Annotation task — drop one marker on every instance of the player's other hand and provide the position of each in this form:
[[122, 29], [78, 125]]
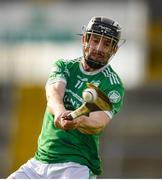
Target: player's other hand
[[66, 124], [57, 120]]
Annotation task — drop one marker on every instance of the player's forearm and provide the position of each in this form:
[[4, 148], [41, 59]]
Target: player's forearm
[[55, 104], [93, 124], [88, 130], [55, 94]]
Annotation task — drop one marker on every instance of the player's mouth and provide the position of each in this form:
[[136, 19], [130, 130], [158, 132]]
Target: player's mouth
[[97, 56]]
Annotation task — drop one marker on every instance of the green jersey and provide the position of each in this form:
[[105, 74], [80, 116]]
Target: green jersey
[[59, 146]]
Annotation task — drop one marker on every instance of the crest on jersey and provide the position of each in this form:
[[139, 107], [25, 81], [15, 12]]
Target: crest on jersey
[[114, 96]]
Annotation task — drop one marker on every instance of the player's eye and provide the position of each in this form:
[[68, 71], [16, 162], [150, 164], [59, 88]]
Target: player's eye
[[107, 44]]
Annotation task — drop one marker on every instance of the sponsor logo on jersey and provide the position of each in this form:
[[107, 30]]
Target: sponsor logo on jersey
[[114, 96], [82, 79]]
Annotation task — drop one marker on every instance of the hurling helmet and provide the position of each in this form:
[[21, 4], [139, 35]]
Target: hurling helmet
[[103, 27]]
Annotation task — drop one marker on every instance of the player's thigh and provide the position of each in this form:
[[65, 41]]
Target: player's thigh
[[18, 175], [69, 171], [21, 173], [26, 171], [81, 172]]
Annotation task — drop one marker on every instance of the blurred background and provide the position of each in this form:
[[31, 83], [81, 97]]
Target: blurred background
[[35, 32]]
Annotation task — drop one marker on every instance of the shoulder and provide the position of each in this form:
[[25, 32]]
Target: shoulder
[[58, 61], [110, 74], [112, 84]]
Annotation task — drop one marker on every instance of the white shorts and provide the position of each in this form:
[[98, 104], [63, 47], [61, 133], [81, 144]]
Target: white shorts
[[35, 169]]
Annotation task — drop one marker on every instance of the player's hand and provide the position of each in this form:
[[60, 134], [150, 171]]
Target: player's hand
[[57, 120], [66, 124]]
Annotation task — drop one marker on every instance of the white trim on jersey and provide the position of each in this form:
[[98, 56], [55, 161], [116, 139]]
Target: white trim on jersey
[[109, 113]]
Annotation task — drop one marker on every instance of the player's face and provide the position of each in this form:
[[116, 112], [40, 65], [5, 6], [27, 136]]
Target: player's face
[[98, 47]]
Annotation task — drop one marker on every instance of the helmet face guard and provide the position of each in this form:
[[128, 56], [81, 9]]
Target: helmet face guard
[[98, 49], [101, 39]]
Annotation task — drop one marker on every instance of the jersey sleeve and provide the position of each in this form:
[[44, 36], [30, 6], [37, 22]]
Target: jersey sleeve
[[116, 96], [58, 72]]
